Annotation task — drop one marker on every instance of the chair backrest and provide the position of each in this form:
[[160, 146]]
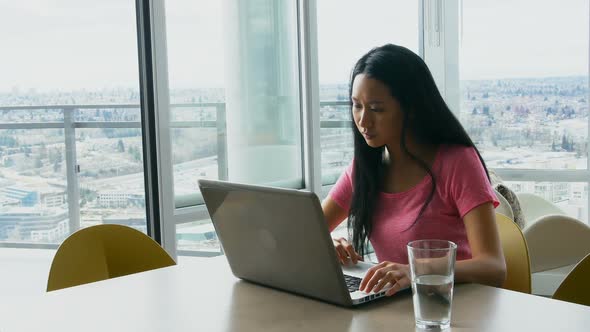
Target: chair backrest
[[504, 207], [555, 241], [534, 206], [576, 286], [102, 252], [518, 270]]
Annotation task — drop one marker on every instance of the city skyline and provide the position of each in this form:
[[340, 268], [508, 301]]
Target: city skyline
[[538, 123]]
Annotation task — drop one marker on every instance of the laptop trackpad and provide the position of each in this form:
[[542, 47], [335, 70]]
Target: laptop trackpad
[[356, 270]]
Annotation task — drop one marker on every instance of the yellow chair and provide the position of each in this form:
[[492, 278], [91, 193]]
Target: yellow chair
[[104, 251], [576, 286], [516, 254]]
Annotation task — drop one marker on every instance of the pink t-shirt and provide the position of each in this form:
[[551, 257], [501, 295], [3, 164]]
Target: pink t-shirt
[[461, 185]]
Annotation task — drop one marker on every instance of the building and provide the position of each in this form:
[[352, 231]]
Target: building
[[18, 224], [27, 197], [47, 196], [136, 221], [116, 199], [6, 201]]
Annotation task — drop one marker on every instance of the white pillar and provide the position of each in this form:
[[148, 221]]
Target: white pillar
[[262, 91]]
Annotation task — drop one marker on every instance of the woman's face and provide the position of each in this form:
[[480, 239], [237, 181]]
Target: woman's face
[[377, 115]]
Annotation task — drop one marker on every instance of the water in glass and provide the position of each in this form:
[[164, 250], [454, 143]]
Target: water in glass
[[432, 300]]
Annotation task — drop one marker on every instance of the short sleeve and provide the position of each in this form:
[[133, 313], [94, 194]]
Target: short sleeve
[[341, 192], [469, 183]]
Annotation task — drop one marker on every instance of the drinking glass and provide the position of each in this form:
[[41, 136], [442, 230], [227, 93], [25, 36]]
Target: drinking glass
[[432, 266]]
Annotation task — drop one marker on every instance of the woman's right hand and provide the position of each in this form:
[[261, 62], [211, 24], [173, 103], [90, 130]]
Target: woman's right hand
[[345, 251]]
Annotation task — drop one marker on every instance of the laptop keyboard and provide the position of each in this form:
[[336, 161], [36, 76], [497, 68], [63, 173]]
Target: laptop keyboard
[[352, 283]]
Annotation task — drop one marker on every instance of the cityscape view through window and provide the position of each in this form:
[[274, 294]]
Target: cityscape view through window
[[545, 127], [70, 134], [524, 91]]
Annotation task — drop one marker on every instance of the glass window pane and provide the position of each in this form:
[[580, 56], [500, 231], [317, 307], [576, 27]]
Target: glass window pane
[[571, 197], [198, 236], [346, 31], [111, 189], [524, 82], [70, 134], [32, 187], [234, 94]]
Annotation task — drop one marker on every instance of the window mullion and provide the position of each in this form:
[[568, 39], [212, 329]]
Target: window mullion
[[156, 62], [440, 21], [309, 93]]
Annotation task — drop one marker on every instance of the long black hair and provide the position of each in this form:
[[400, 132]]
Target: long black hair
[[425, 115]]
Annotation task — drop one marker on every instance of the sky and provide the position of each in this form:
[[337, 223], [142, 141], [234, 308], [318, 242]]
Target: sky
[[75, 44], [65, 44], [524, 38]]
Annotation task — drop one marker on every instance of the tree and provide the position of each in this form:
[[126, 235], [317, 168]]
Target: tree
[[120, 146], [567, 144], [38, 163], [59, 156], [43, 151], [495, 137], [8, 141], [8, 162], [134, 152]]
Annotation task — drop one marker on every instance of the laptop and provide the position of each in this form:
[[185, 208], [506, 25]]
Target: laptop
[[279, 238]]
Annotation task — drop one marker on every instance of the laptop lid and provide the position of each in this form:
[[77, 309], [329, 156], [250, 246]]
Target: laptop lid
[[276, 237]]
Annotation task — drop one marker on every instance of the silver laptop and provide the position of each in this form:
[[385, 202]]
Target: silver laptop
[[279, 238]]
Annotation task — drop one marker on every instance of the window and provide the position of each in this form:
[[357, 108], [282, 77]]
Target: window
[[571, 197], [70, 134], [524, 89], [346, 31], [234, 101], [70, 130]]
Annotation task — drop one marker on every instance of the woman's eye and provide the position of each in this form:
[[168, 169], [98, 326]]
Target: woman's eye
[[357, 106]]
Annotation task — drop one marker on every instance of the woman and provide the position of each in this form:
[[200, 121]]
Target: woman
[[416, 174]]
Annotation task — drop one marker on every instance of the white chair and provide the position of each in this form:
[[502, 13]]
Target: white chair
[[534, 206], [556, 242], [504, 207]]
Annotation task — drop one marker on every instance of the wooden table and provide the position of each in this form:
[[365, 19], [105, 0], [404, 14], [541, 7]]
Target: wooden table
[[203, 295]]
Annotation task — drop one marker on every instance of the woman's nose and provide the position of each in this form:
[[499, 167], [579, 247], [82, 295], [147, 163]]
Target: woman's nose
[[364, 120]]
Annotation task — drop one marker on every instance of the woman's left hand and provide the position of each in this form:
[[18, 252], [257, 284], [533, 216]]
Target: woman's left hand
[[386, 273]]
